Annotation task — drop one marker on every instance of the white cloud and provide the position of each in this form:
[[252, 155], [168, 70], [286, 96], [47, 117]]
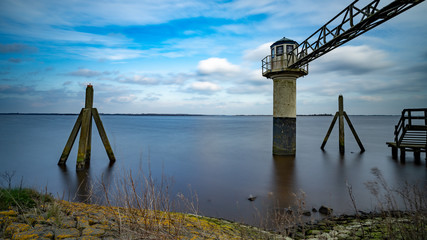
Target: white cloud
[[371, 98], [217, 66], [84, 72], [355, 60], [96, 13], [205, 87], [122, 99], [139, 79], [113, 54], [258, 53]]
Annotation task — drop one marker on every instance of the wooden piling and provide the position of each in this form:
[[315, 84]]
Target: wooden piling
[[84, 139], [71, 140], [394, 152], [89, 96], [417, 156], [103, 135], [84, 124], [341, 114], [341, 123], [329, 131], [362, 149], [402, 155], [89, 105]]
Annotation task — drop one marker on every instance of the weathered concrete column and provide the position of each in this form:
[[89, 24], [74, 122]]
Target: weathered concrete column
[[284, 113]]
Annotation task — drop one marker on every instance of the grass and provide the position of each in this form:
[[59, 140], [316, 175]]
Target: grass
[[148, 210], [22, 198]]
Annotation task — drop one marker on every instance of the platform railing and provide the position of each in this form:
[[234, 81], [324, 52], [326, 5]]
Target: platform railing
[[408, 121]]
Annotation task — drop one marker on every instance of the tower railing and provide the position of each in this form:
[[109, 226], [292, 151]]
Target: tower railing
[[277, 64]]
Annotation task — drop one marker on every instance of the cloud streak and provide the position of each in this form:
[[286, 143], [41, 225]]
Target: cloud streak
[[198, 56]]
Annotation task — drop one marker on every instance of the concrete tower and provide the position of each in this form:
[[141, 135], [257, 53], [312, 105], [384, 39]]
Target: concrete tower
[[276, 67]]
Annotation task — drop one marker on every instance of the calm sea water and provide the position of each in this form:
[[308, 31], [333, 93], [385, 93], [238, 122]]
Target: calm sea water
[[223, 159]]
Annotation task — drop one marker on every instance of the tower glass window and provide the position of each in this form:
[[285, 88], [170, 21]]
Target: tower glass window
[[289, 48], [279, 50]]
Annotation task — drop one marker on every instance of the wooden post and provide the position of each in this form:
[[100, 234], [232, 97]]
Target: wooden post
[[417, 156], [103, 135], [425, 123], [402, 155], [394, 152], [89, 97], [89, 105], [341, 123], [340, 115], [84, 123], [329, 131], [82, 155], [362, 149], [71, 140]]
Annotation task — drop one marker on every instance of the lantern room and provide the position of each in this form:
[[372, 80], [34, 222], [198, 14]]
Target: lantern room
[[283, 53]]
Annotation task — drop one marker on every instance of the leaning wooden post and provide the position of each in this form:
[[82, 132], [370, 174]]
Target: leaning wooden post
[[329, 131], [84, 123], [341, 123], [103, 135], [362, 149], [71, 139]]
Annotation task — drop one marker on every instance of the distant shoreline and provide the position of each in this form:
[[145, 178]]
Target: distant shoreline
[[183, 114]]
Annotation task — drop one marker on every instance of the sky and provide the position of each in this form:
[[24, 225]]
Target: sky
[[199, 57]]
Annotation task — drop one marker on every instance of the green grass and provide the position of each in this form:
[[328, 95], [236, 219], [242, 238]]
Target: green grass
[[23, 198]]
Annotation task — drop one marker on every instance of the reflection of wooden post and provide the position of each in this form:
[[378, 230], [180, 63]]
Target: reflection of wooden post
[[341, 114], [84, 121]]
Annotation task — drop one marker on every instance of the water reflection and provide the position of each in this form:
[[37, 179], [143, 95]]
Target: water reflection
[[222, 158], [80, 185], [284, 179]]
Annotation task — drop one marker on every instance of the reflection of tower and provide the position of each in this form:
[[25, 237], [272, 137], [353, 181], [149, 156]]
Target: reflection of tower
[[284, 97], [284, 179]]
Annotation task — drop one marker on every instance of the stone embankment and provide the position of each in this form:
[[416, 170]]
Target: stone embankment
[[67, 220]]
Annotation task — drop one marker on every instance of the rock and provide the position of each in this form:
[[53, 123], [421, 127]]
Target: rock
[[251, 198], [10, 213], [35, 233], [306, 213], [314, 232], [90, 231], [16, 228], [67, 233], [92, 238], [68, 223], [82, 222], [314, 210], [325, 210]]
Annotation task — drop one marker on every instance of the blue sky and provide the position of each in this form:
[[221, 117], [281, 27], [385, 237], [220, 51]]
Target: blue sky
[[199, 57]]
